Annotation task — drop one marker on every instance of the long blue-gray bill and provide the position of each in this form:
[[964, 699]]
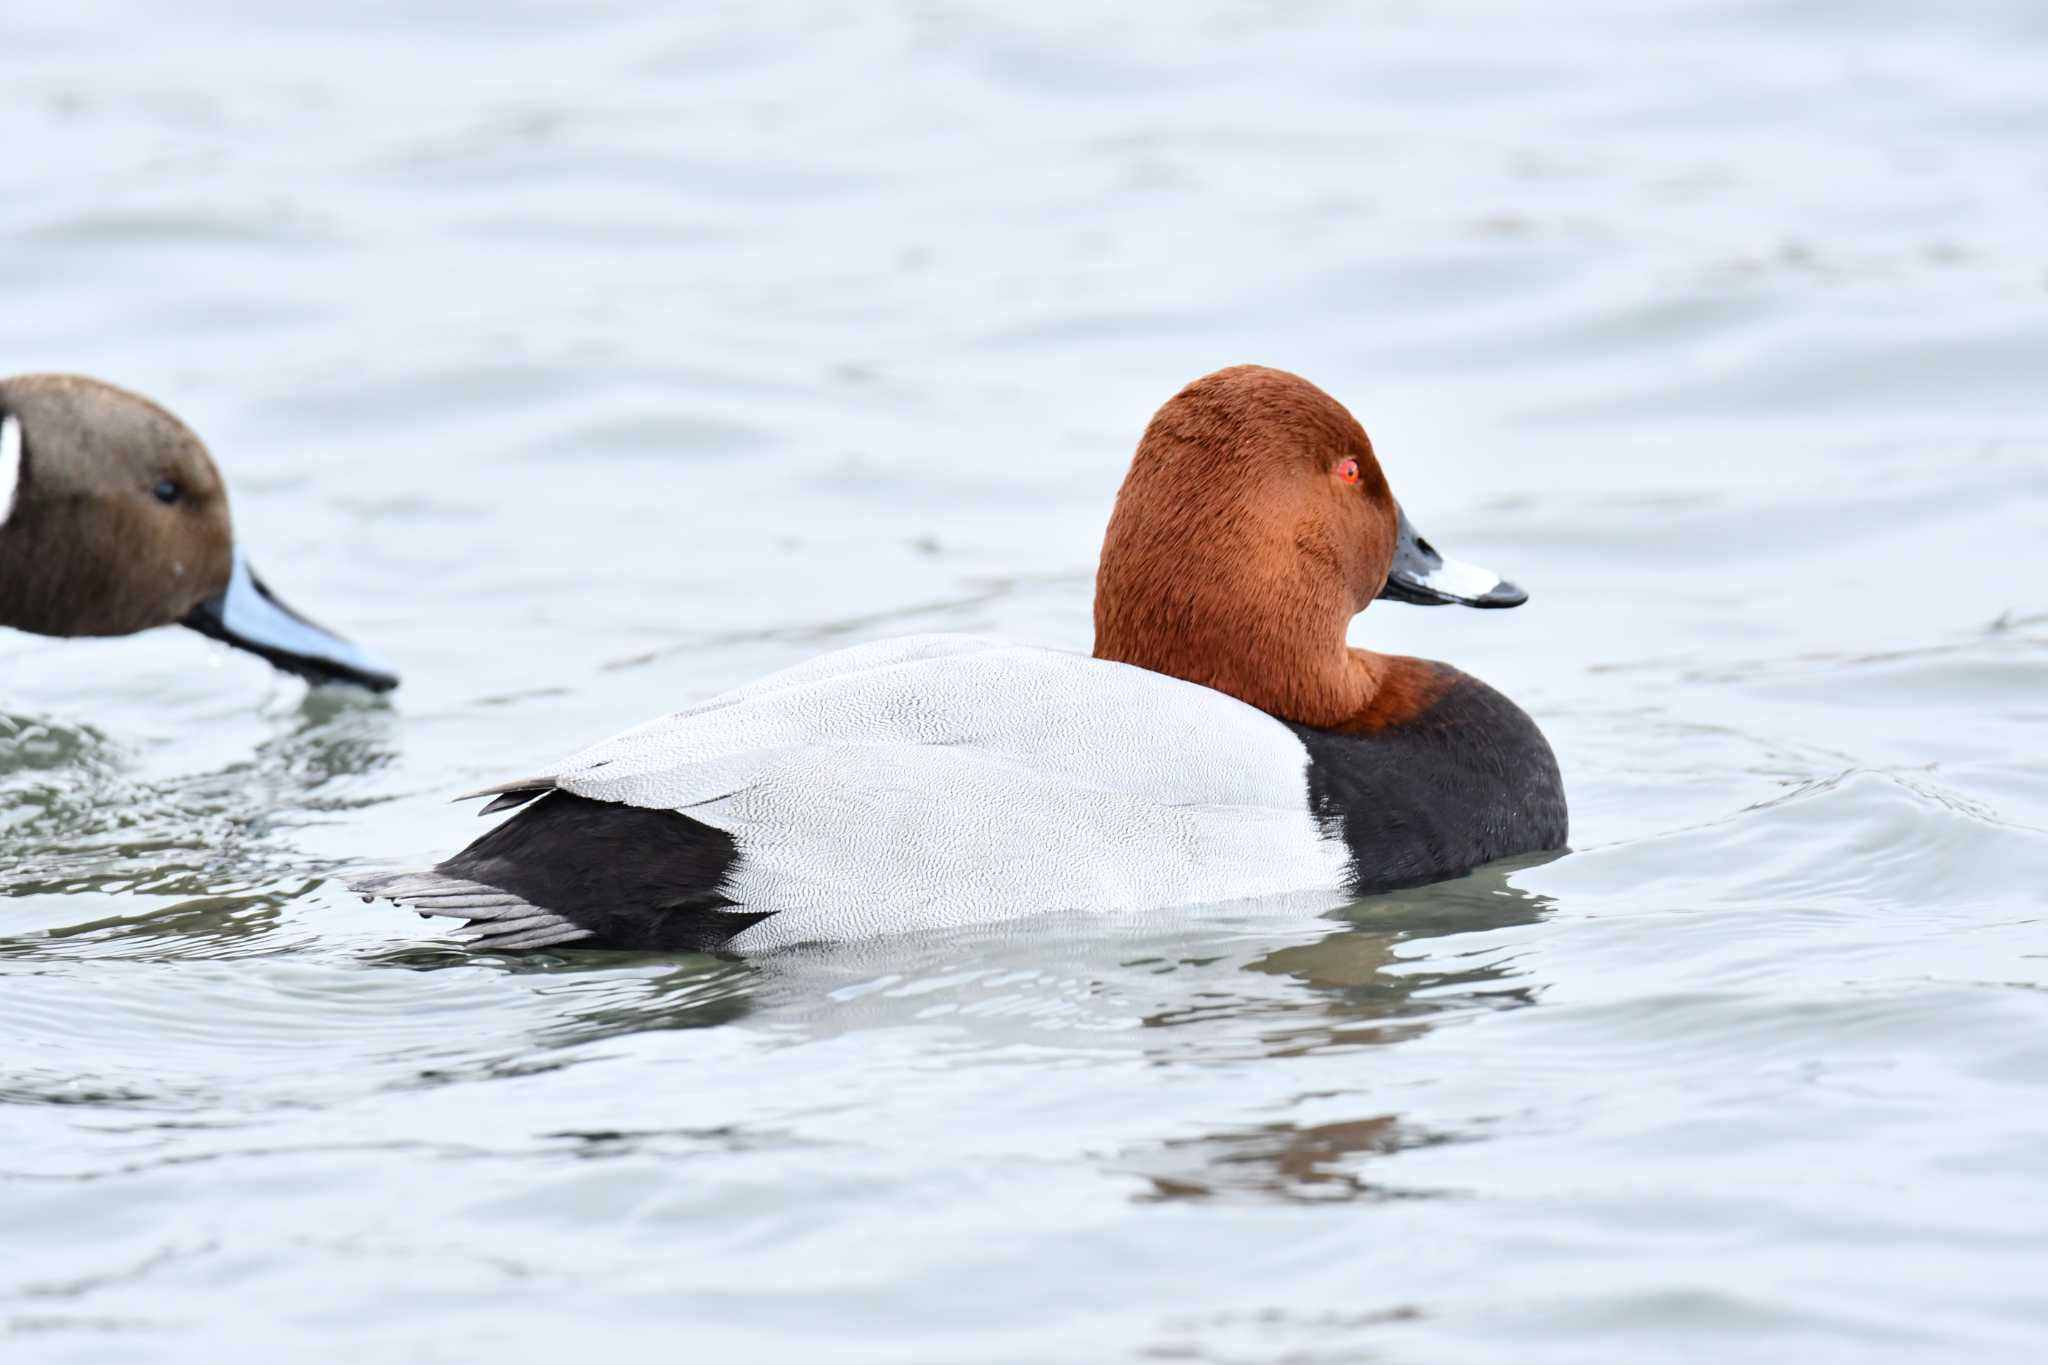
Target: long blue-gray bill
[[1425, 578], [249, 616]]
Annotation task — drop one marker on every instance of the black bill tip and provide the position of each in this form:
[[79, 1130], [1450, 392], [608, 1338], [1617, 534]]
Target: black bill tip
[[248, 616], [1424, 578]]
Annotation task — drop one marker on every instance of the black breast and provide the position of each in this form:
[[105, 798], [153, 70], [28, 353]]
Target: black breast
[[1468, 780]]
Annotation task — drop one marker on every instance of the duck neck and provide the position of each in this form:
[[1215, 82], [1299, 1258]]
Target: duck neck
[[26, 572], [1397, 691], [1348, 691], [66, 571], [1308, 677]]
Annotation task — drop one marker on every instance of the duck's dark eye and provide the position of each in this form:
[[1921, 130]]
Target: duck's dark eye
[[167, 491]]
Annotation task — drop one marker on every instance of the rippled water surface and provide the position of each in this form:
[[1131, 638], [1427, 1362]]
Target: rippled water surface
[[591, 358]]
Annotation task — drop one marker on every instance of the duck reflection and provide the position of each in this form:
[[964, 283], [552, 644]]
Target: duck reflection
[[204, 926], [79, 823], [1359, 986], [1363, 989], [602, 999], [1075, 981], [1285, 1162], [44, 744], [594, 996]]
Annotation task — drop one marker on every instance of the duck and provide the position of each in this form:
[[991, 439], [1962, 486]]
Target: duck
[[114, 519], [1223, 741]]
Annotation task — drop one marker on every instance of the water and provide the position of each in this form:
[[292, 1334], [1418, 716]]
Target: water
[[588, 359]]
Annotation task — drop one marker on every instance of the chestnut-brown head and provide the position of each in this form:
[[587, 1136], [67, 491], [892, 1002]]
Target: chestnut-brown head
[[1254, 524], [113, 519]]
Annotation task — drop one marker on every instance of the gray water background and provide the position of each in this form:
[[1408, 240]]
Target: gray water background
[[590, 358]]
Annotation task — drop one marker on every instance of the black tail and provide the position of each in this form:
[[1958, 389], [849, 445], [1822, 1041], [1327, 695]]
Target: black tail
[[603, 875]]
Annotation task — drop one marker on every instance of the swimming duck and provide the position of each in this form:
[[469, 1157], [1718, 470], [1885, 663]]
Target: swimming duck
[[113, 519], [1223, 742]]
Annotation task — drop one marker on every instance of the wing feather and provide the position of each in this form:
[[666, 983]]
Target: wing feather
[[1067, 716], [943, 780]]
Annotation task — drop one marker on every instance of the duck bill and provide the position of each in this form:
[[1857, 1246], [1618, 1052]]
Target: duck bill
[[1425, 578], [247, 615]]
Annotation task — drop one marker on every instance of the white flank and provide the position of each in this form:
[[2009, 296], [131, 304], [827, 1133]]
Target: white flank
[[945, 780]]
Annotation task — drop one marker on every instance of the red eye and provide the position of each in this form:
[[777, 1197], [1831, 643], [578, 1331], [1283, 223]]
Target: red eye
[[1347, 470]]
